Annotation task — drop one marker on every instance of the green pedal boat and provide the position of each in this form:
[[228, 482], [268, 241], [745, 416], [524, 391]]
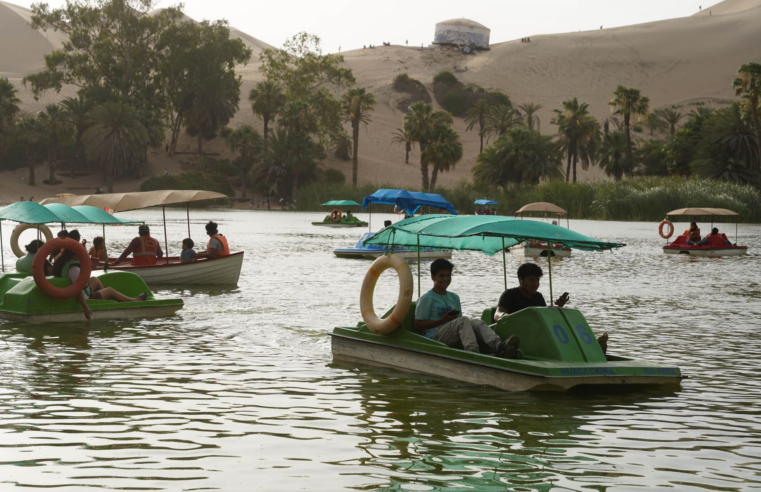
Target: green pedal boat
[[558, 349]]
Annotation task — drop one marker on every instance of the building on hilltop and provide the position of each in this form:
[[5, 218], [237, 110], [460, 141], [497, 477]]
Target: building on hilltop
[[462, 33]]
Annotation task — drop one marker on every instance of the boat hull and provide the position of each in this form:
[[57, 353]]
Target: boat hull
[[142, 312], [207, 271], [407, 255], [542, 252], [706, 252], [356, 351], [338, 224]]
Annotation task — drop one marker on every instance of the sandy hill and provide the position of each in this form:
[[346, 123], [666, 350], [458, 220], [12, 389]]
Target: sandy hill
[[22, 49], [679, 61]]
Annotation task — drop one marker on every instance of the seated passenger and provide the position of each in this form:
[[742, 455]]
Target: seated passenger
[[217, 245], [24, 264], [722, 238], [188, 253], [144, 249], [68, 267], [98, 250], [527, 295], [693, 234], [438, 316], [62, 234]]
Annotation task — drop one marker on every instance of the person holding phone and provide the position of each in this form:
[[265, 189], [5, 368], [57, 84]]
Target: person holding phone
[[438, 316]]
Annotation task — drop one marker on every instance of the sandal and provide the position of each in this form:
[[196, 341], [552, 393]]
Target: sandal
[[143, 296]]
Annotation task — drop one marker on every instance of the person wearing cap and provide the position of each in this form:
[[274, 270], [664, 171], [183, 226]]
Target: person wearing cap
[[24, 264], [217, 245], [144, 249]]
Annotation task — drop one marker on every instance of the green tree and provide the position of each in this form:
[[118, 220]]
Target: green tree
[[357, 104], [528, 111], [420, 123], [500, 119], [404, 137], [700, 111], [115, 139], [654, 123], [77, 110], [580, 133], [612, 158], [629, 103], [30, 132], [267, 100], [671, 118], [308, 76], [8, 108], [476, 115], [213, 106], [682, 148], [652, 158], [297, 116], [443, 152], [248, 144], [290, 161], [748, 84], [521, 155], [57, 129]]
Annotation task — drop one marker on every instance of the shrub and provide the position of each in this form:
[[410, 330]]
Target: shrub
[[402, 80], [637, 127], [445, 77], [334, 176], [415, 89], [343, 146], [501, 99], [454, 103]]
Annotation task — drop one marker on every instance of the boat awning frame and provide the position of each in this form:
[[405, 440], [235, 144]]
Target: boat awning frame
[[410, 201]]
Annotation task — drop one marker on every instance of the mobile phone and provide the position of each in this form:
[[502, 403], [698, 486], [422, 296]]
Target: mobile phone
[[453, 313], [565, 294]]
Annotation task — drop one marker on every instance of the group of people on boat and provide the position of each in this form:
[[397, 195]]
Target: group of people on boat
[[486, 211], [694, 239], [438, 313]]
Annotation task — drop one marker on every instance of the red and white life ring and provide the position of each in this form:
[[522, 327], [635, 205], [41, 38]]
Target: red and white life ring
[[38, 268], [670, 233], [335, 215]]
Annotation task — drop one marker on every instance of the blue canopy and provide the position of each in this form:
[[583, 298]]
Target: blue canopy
[[410, 201], [486, 202]]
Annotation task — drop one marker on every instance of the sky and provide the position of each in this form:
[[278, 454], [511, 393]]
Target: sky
[[350, 24]]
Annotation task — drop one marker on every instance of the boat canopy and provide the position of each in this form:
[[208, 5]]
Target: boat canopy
[[410, 201], [340, 203], [486, 233], [121, 202], [34, 213], [485, 202], [702, 211], [544, 207]]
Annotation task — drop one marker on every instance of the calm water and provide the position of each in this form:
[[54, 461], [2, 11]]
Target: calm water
[[239, 392]]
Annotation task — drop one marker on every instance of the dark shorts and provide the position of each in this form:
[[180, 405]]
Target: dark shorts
[[95, 295]]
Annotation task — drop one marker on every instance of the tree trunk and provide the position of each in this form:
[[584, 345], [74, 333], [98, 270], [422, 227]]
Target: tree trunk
[[200, 142], [423, 167], [30, 163], [51, 163], [434, 175], [243, 173], [355, 162], [408, 148], [481, 134], [629, 154], [754, 112], [575, 158], [568, 166], [176, 128], [110, 176], [266, 131]]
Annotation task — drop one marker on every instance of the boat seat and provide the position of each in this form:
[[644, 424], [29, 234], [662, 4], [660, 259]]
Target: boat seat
[[488, 315]]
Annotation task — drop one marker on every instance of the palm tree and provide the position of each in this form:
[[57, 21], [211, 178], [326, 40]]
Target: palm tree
[[654, 123], [290, 161], [248, 143], [402, 136], [8, 102], [420, 123], [612, 157], [77, 110], [297, 116], [115, 138], [629, 103], [529, 111], [213, 107], [520, 155], [579, 131], [748, 84], [500, 119], [266, 102], [476, 115], [670, 117], [57, 128], [30, 131], [699, 112], [444, 151], [356, 105], [729, 150]]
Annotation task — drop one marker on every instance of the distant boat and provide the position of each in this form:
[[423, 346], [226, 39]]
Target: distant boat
[[717, 245], [538, 248]]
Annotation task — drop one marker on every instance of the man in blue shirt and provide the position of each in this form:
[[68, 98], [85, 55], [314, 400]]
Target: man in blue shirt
[[438, 316]]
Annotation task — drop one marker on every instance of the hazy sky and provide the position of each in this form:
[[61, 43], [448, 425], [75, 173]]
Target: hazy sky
[[352, 23]]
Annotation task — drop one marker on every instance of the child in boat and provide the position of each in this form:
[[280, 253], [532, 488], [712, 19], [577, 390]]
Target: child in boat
[[98, 249], [526, 295], [438, 316], [188, 253]]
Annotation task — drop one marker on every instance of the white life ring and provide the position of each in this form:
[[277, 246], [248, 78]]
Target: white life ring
[[21, 228], [403, 302]]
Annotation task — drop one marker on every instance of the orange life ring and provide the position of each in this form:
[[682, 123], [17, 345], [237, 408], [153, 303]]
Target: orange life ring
[[671, 229], [399, 212], [38, 268], [335, 215]]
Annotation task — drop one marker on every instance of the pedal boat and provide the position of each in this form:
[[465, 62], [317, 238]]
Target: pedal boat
[[336, 219], [558, 349], [537, 249], [717, 245], [364, 251]]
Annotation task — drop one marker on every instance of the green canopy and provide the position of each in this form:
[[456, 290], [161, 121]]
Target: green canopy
[[340, 203], [487, 233], [34, 213], [98, 216]]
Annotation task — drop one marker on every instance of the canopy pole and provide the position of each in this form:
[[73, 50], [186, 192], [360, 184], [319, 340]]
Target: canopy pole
[[105, 250], [549, 265], [370, 221], [2, 256], [187, 209], [418, 266], [736, 221], [504, 263], [166, 244]]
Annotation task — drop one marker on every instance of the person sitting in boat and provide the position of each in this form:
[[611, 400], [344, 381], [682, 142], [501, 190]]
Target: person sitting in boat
[[98, 250], [68, 267], [438, 316], [188, 253], [527, 295], [144, 249], [693, 234], [217, 246], [722, 238], [62, 234], [24, 264]]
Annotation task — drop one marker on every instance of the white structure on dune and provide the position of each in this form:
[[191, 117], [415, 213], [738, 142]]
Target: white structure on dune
[[462, 32]]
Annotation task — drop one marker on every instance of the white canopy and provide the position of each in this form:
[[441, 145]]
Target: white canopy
[[121, 202], [702, 211], [542, 207]]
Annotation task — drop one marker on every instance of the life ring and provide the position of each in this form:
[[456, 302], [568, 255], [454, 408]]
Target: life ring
[[671, 229], [335, 215], [38, 268], [403, 302], [399, 212], [23, 227]]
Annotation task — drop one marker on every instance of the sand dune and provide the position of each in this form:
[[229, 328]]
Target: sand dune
[[22, 49], [679, 61]]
